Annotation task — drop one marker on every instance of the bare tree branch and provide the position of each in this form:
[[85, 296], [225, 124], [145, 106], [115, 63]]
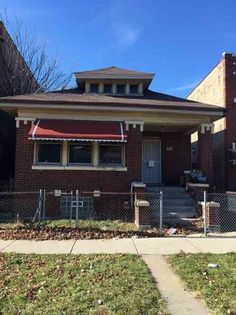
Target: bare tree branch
[[25, 65]]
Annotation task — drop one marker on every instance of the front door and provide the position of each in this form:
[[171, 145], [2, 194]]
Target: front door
[[151, 171]]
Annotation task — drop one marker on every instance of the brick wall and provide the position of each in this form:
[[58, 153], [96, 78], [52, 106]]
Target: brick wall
[[174, 162], [28, 179], [230, 94], [219, 88]]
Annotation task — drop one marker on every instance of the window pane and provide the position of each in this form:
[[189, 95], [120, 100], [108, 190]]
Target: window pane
[[111, 154], [80, 153], [94, 88], [49, 153], [107, 88], [120, 89], [133, 89]]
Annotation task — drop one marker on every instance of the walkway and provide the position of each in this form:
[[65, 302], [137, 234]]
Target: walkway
[[148, 246], [179, 301]]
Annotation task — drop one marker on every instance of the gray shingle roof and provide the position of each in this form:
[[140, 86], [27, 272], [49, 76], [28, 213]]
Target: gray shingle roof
[[114, 70], [150, 99]]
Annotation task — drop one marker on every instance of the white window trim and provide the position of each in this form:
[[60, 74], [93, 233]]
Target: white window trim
[[80, 168], [65, 165]]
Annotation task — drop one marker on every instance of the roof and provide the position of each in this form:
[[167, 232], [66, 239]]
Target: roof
[[114, 70], [114, 73], [150, 99]]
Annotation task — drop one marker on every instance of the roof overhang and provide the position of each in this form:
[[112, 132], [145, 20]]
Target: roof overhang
[[213, 112], [146, 78]]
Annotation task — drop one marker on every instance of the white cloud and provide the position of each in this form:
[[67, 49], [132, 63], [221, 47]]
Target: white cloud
[[186, 86], [126, 33]]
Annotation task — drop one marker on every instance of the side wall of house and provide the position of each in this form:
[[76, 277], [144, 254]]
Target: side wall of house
[[27, 179], [211, 90], [230, 72]]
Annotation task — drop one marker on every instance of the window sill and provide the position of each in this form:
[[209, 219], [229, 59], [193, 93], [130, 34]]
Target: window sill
[[80, 168]]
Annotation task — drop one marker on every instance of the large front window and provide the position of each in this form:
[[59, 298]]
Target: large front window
[[111, 154], [48, 153], [80, 153]]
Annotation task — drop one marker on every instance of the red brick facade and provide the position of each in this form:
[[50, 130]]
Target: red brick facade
[[28, 179], [175, 159]]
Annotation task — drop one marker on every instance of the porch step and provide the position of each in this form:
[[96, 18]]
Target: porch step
[[166, 189], [179, 211], [177, 201]]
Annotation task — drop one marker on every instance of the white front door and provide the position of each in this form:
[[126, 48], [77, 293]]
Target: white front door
[[151, 169]]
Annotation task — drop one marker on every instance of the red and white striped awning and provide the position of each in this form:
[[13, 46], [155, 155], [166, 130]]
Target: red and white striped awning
[[74, 130]]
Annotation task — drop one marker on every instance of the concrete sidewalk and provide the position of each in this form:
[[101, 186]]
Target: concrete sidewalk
[[147, 246], [179, 300]]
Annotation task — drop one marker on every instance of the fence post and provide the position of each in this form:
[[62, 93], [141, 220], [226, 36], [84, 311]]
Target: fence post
[[71, 207], [77, 209], [204, 212], [44, 205], [40, 205], [161, 212]]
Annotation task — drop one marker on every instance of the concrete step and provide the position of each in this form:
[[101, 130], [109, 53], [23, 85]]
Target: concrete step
[[177, 202], [166, 189], [176, 195], [179, 211]]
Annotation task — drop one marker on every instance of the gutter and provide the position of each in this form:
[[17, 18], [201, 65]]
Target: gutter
[[114, 107]]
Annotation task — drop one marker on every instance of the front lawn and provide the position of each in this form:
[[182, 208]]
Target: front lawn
[[85, 284], [216, 286], [66, 229], [107, 225]]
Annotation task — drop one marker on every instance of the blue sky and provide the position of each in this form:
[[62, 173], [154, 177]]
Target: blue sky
[[179, 41]]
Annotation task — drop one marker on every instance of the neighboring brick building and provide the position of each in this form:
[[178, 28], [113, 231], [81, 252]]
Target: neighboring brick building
[[219, 88], [14, 79], [105, 134]]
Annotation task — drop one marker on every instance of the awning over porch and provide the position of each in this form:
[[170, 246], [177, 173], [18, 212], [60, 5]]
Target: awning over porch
[[74, 130]]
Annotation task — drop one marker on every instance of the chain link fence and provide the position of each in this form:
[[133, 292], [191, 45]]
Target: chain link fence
[[220, 212], [143, 210], [103, 206], [20, 206]]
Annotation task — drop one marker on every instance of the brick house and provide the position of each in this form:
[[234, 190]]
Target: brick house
[[219, 88], [109, 131]]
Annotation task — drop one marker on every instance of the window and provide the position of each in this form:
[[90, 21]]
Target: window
[[111, 154], [120, 88], [108, 88], [80, 153], [133, 89], [94, 88], [48, 153]]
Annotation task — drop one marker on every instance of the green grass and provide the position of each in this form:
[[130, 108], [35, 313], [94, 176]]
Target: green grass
[[85, 284], [216, 286], [107, 225]]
